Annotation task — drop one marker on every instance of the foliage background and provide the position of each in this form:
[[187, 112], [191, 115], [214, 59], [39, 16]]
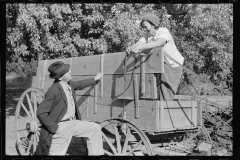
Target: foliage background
[[203, 34]]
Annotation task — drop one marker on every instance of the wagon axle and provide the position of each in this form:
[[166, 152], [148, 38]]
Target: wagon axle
[[32, 127]]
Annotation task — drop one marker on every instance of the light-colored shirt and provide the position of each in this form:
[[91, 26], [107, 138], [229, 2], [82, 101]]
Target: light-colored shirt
[[70, 101], [169, 48]]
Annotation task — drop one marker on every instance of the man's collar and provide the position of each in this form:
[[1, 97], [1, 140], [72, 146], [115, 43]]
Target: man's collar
[[64, 82]]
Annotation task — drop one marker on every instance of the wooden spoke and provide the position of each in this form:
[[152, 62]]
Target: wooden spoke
[[117, 139], [126, 141], [34, 142], [30, 143], [37, 137], [23, 119], [26, 111], [30, 106], [109, 143], [21, 129], [135, 147], [107, 133], [24, 143], [108, 153]]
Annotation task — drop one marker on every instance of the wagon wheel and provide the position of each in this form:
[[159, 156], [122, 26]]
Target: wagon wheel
[[26, 122], [121, 137], [195, 137]]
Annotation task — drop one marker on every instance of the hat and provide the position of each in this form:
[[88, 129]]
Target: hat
[[57, 69], [151, 18]]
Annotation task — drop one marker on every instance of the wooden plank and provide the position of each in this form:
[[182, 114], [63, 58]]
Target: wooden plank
[[95, 99], [177, 114], [35, 81], [43, 75], [154, 80], [182, 97], [114, 86], [193, 111], [102, 70], [161, 115], [157, 103], [157, 116], [199, 113], [114, 63], [111, 108], [178, 104], [143, 58], [136, 96]]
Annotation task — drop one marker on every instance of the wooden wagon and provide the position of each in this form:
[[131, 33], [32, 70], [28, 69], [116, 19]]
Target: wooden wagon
[[124, 103]]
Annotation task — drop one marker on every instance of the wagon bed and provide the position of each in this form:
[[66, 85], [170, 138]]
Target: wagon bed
[[127, 129]]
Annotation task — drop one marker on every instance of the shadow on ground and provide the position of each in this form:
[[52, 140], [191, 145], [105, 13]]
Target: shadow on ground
[[14, 90]]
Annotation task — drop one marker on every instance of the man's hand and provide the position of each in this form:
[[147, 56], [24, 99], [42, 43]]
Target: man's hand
[[128, 50], [135, 50], [98, 76]]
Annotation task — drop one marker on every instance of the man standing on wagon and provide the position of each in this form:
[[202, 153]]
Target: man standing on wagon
[[157, 36], [58, 115]]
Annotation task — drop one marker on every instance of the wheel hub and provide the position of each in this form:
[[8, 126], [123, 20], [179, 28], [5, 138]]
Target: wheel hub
[[31, 127]]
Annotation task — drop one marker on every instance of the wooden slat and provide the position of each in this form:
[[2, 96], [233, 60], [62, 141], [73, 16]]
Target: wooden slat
[[161, 114], [157, 102], [36, 81], [44, 73], [199, 113], [113, 63], [114, 86], [157, 116], [136, 97], [102, 70], [193, 111], [143, 74], [154, 80], [95, 99]]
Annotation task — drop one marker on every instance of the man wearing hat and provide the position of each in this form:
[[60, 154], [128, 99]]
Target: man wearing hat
[[58, 115], [160, 37]]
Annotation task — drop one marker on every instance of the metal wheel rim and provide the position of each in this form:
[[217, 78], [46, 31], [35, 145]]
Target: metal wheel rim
[[120, 148], [28, 134]]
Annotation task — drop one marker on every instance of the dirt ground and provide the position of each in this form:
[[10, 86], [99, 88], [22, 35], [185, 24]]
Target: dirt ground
[[10, 136]]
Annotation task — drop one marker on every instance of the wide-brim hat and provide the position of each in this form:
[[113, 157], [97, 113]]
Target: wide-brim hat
[[58, 69], [151, 18]]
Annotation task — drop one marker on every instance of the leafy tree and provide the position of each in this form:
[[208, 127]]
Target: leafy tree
[[202, 33]]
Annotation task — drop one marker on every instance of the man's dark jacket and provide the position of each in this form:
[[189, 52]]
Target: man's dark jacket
[[53, 108]]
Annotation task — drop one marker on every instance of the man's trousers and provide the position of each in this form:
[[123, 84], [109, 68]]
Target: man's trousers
[[77, 128]]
